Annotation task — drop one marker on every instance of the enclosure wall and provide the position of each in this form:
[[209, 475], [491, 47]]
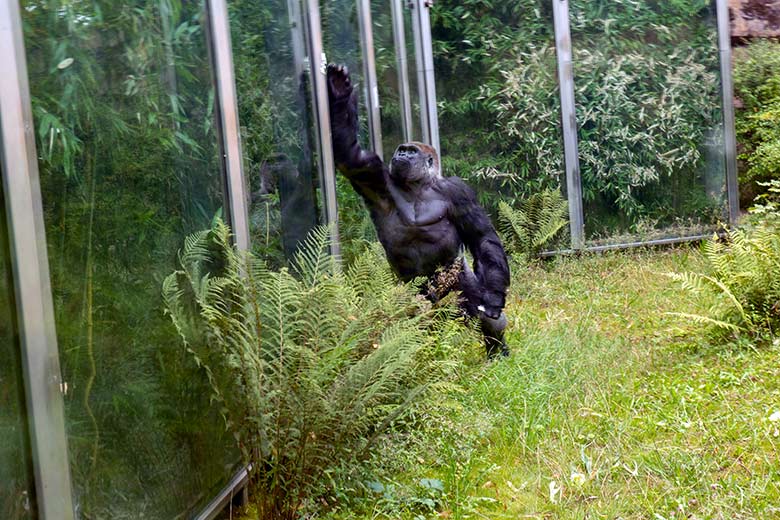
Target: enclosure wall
[[649, 85], [129, 151], [649, 117], [17, 497]]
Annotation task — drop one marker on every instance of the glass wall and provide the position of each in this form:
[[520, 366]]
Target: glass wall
[[649, 118], [130, 163], [274, 100], [341, 44], [499, 104], [389, 74], [16, 484], [123, 107]]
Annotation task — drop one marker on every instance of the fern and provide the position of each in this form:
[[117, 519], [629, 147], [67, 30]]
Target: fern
[[743, 287], [307, 366], [527, 229]]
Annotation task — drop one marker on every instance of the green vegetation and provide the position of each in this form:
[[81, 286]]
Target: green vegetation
[[533, 225], [648, 106], [308, 370], [606, 409], [757, 86], [745, 278], [610, 406]]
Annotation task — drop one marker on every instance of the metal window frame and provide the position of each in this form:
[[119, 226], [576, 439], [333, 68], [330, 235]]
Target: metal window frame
[[563, 48], [297, 37], [234, 182], [34, 307], [729, 125], [326, 163], [236, 488], [660, 242], [229, 130], [404, 92], [366, 28], [423, 46]]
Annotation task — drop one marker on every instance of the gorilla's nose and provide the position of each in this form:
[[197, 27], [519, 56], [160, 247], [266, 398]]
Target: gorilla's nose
[[399, 165]]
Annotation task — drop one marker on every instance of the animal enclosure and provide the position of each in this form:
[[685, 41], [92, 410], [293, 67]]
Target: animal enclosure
[[127, 126]]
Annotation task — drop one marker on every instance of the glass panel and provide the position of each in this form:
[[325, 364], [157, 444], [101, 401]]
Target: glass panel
[[341, 43], [649, 116], [499, 107], [124, 115], [388, 74], [411, 65], [275, 114], [16, 482]]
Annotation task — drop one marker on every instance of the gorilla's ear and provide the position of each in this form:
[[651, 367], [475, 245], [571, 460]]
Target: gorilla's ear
[[433, 164]]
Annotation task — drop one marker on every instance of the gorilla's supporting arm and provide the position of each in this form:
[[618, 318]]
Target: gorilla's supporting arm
[[477, 232], [364, 169]]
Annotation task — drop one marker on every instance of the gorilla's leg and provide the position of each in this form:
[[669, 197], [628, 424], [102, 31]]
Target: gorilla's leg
[[492, 329]]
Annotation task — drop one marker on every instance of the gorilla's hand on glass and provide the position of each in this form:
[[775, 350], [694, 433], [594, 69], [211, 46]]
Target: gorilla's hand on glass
[[339, 83]]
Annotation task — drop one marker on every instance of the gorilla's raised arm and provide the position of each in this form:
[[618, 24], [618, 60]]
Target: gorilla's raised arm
[[477, 232], [364, 169]]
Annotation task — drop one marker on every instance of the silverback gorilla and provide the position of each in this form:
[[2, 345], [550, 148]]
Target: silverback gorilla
[[423, 220]]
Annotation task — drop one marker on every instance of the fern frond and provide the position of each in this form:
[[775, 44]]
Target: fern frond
[[706, 320], [304, 365], [312, 260], [537, 221]]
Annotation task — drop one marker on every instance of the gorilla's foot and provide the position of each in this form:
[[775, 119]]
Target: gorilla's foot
[[496, 350]]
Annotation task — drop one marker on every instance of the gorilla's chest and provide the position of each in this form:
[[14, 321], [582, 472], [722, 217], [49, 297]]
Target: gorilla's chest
[[418, 236]]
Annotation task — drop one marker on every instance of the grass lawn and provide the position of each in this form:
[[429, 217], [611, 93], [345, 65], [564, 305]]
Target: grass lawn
[[607, 408]]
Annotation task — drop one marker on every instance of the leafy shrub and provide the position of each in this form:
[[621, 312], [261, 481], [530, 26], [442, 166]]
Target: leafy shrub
[[307, 367], [757, 85], [648, 104], [744, 285], [534, 224]]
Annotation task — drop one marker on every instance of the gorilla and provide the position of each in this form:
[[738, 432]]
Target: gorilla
[[423, 219]]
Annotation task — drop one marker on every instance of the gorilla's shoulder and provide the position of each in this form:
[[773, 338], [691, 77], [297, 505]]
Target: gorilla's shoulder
[[457, 189]]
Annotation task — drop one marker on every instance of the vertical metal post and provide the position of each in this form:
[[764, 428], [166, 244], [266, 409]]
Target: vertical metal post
[[369, 70], [34, 306], [399, 39], [297, 37], [729, 131], [321, 112], [423, 46], [563, 48], [227, 104]]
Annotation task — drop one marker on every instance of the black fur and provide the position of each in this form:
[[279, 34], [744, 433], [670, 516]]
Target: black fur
[[423, 220]]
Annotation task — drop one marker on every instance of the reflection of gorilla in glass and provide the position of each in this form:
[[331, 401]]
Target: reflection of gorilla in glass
[[423, 220]]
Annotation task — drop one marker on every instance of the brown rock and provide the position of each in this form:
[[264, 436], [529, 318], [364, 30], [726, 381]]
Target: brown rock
[[755, 18]]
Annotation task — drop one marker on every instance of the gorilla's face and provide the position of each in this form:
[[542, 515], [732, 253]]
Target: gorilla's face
[[414, 162]]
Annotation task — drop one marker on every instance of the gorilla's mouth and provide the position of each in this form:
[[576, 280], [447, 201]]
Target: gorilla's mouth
[[399, 166]]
